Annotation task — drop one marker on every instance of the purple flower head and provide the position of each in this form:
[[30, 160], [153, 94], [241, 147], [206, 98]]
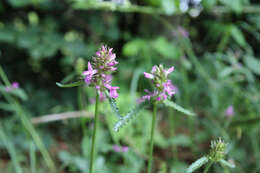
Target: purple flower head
[[118, 149], [89, 74], [230, 111], [99, 71], [163, 87], [183, 32], [125, 149], [13, 86]]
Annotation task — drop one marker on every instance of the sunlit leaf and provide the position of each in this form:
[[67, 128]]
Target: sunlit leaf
[[197, 164], [178, 108]]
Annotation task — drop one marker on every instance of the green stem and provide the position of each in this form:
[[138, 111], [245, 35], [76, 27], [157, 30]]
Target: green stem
[[207, 167], [152, 139], [94, 135]]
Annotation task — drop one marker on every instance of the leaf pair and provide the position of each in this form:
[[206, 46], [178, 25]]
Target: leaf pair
[[202, 161]]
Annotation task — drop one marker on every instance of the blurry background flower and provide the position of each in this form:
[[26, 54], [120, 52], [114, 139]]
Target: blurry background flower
[[229, 112]]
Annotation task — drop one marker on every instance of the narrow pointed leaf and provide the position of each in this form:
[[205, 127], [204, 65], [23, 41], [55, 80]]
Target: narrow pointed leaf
[[178, 108], [113, 105], [130, 115], [226, 163], [74, 84], [197, 164]]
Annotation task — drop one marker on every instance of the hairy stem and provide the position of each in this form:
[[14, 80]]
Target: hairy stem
[[94, 135], [152, 139], [207, 167]]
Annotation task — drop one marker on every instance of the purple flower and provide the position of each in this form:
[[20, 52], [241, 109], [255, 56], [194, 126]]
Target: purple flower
[[163, 87], [169, 88], [118, 149], [113, 91], [183, 32], [148, 75], [13, 86], [125, 149], [230, 111], [89, 74], [99, 76]]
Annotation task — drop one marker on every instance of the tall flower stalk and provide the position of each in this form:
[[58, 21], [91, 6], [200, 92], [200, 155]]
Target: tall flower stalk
[[99, 76], [163, 88]]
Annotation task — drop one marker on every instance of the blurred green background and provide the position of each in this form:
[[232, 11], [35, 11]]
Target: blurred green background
[[213, 45]]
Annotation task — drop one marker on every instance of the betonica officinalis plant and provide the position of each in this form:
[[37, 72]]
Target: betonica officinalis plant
[[216, 155], [98, 75]]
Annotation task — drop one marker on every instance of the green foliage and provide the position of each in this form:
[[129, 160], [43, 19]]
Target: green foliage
[[197, 164], [217, 65]]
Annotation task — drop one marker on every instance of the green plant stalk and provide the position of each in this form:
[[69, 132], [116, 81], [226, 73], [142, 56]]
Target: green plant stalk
[[207, 167], [91, 167], [28, 125], [152, 139], [11, 149], [32, 157]]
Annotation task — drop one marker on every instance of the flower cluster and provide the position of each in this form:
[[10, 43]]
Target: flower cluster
[[163, 86], [218, 150], [14, 85], [99, 72], [120, 149]]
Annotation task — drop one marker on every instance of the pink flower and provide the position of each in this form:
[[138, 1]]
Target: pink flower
[[169, 71], [183, 32], [230, 111], [169, 88], [13, 86], [117, 148], [148, 75], [125, 149], [99, 76], [163, 87], [113, 91], [89, 74]]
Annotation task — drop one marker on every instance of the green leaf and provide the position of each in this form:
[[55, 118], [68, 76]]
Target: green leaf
[[253, 64], [6, 107], [197, 164], [226, 163], [113, 105], [74, 84], [178, 108], [238, 36], [130, 115]]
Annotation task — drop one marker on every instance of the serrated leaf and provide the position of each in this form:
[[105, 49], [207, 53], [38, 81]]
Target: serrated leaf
[[178, 108], [74, 84], [130, 115], [226, 163], [113, 105], [197, 164]]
